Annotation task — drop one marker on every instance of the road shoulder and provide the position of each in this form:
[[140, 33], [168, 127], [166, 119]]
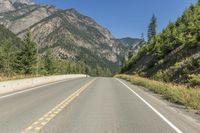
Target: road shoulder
[[183, 118]]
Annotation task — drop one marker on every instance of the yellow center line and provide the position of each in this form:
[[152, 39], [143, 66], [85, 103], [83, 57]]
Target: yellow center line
[[37, 126]]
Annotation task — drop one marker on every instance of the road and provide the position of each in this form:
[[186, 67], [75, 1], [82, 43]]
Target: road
[[90, 105]]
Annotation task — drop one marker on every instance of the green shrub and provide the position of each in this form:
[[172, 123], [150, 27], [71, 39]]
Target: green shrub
[[194, 80]]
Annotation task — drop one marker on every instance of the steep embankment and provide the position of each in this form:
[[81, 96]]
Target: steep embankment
[[174, 54]]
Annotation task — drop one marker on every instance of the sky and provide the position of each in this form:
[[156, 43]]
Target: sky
[[126, 18]]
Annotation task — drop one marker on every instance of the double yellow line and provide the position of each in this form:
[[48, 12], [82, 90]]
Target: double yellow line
[[45, 119]]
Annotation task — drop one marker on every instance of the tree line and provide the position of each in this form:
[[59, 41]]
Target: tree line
[[21, 57]]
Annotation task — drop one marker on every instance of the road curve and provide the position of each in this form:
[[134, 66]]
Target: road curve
[[91, 105]]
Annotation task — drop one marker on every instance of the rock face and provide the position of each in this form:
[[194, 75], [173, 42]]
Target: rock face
[[70, 34], [6, 5], [133, 44], [9, 5]]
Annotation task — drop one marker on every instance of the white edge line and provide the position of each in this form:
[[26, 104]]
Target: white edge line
[[34, 88], [152, 108]]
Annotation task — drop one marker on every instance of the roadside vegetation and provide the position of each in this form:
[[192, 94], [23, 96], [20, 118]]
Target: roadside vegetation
[[189, 97], [172, 55]]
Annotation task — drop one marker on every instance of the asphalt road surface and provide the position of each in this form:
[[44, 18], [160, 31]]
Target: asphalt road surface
[[90, 105]]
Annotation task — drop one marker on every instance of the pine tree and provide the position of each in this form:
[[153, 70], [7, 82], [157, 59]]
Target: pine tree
[[49, 62], [7, 58], [27, 57], [152, 28], [142, 37]]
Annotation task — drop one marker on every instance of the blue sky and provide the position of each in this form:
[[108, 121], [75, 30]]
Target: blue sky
[[126, 18]]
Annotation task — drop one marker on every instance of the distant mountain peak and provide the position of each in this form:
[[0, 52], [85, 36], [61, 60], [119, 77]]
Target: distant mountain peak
[[72, 10], [129, 41]]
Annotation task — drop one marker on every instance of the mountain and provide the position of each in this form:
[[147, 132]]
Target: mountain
[[68, 33], [174, 54], [134, 44], [128, 41]]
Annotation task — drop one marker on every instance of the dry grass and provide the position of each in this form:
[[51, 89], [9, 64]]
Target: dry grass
[[189, 97]]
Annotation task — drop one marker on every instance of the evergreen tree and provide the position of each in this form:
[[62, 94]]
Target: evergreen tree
[[7, 58], [142, 37], [49, 62], [27, 57], [152, 28]]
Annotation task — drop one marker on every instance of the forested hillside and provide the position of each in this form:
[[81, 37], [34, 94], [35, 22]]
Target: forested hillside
[[19, 57], [174, 54]]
